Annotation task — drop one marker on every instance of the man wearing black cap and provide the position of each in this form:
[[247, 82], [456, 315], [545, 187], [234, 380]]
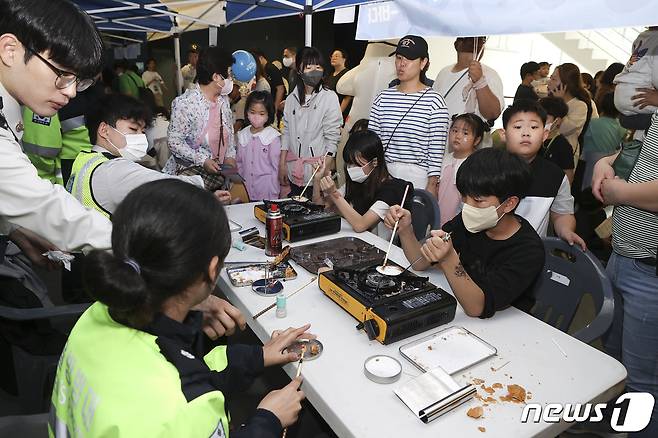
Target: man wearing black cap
[[412, 119], [529, 73]]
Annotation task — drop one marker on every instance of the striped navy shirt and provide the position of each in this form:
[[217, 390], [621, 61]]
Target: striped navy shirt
[[635, 231], [421, 136]]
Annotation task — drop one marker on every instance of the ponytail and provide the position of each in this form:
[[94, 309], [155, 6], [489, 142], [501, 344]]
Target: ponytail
[[158, 251], [120, 287]]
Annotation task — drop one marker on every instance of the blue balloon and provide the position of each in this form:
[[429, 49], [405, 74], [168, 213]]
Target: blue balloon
[[244, 68]]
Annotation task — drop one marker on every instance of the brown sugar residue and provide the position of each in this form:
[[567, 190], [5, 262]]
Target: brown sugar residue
[[488, 389], [478, 381], [482, 429], [475, 412], [515, 394], [497, 386], [429, 347], [490, 400]]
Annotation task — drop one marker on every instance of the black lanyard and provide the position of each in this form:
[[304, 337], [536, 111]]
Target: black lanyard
[[3, 121]]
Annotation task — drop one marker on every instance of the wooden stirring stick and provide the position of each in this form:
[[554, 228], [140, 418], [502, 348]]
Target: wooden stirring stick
[[297, 374], [404, 197], [444, 238], [312, 176], [272, 306], [301, 359]]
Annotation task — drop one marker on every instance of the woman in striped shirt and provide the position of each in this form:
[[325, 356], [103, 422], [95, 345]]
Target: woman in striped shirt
[[632, 267], [412, 119]]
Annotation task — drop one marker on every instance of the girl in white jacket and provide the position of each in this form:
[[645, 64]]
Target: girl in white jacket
[[312, 120]]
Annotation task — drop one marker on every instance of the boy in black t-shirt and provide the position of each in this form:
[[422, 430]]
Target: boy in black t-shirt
[[492, 256], [556, 147]]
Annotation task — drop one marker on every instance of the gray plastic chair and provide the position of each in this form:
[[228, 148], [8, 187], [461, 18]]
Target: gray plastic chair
[[568, 275], [35, 373], [425, 214], [24, 426]]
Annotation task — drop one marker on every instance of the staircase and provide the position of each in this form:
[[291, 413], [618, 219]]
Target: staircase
[[596, 49]]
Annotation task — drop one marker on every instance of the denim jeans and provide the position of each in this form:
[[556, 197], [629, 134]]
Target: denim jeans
[[633, 337]]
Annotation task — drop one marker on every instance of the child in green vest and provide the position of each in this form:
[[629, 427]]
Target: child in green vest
[[134, 364]]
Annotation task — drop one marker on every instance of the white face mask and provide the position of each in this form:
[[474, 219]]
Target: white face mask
[[227, 88], [136, 146], [357, 174], [479, 219], [287, 62]]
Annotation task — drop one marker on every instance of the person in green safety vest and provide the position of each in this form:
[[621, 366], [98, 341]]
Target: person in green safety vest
[[42, 143], [134, 364], [75, 137], [52, 143]]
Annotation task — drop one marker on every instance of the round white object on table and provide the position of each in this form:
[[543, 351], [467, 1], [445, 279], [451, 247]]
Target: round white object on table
[[382, 369]]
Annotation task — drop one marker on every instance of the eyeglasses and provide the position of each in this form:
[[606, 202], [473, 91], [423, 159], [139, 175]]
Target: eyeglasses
[[64, 78]]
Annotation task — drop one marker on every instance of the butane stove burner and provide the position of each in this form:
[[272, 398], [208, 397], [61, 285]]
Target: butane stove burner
[[389, 308], [377, 280], [295, 209], [378, 288], [301, 220]]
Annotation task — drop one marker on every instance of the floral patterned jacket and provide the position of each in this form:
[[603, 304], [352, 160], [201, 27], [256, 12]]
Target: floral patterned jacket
[[189, 118]]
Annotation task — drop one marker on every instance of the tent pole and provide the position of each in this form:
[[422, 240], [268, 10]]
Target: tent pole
[[308, 27], [177, 79]]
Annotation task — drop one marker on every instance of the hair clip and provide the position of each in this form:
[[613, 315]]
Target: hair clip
[[133, 264]]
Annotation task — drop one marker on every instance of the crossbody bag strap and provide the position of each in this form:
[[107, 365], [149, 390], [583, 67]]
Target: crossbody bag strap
[[455, 84], [403, 116]]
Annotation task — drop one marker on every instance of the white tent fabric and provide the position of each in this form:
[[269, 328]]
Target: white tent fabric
[[205, 12], [394, 19]]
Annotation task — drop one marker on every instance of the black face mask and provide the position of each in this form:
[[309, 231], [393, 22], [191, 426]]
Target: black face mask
[[312, 78]]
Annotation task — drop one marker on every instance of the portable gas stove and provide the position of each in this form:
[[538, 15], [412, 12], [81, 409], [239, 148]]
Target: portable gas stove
[[301, 220], [389, 308]]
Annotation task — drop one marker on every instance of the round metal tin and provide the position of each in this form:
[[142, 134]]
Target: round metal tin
[[312, 351], [382, 369], [273, 287]]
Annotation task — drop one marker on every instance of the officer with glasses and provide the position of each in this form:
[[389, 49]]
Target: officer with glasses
[[49, 51], [64, 78]]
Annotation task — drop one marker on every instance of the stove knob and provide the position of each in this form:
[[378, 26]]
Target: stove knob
[[372, 329]]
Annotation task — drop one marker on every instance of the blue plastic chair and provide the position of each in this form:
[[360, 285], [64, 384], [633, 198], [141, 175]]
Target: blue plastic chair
[[425, 214], [568, 275]]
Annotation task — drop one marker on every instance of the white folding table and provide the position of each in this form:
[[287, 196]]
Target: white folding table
[[356, 407]]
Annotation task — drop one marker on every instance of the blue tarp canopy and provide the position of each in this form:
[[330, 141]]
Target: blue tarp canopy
[[160, 17], [167, 17], [247, 10], [129, 16]]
